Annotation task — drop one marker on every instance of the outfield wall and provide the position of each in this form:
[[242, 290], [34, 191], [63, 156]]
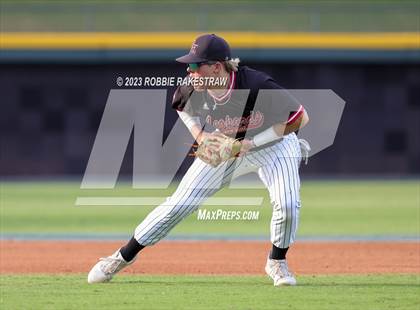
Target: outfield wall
[[54, 88], [51, 112]]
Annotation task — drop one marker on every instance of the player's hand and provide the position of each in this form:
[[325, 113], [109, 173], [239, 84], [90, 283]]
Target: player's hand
[[203, 136], [247, 145]]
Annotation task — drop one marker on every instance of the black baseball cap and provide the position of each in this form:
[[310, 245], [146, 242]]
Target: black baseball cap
[[207, 47]]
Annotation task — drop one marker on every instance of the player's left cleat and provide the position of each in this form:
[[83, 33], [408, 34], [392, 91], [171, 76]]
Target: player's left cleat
[[279, 272], [107, 267]]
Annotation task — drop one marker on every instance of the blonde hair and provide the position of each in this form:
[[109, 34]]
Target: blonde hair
[[232, 64]]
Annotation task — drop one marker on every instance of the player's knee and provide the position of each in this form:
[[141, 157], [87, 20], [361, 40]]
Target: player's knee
[[179, 209], [284, 212]]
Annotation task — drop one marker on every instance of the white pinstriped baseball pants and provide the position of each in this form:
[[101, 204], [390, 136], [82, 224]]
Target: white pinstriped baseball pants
[[277, 167]]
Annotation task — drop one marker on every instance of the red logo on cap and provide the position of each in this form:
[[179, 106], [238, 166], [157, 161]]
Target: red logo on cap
[[193, 48]]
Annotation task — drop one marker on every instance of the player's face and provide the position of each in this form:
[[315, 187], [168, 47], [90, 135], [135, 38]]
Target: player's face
[[211, 69]]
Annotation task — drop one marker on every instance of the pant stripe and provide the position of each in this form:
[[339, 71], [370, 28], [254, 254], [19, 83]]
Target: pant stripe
[[209, 180], [164, 208], [287, 195], [280, 182], [294, 162], [293, 185], [272, 170], [150, 220], [189, 208]]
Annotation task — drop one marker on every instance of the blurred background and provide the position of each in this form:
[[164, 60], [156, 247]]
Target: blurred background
[[60, 59]]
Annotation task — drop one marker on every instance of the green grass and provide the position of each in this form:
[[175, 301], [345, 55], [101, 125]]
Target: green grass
[[349, 208], [210, 292]]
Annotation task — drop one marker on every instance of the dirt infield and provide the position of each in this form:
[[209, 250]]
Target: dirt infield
[[213, 257]]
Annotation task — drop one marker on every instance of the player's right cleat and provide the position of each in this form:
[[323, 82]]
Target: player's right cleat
[[107, 267], [279, 272]]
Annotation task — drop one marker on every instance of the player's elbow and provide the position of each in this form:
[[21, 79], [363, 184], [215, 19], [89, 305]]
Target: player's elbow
[[300, 122], [296, 123]]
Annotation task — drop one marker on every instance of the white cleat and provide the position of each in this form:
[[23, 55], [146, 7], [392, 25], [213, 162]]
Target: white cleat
[[279, 272], [107, 267]]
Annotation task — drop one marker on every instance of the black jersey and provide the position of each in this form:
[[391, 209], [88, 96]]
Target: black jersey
[[244, 109]]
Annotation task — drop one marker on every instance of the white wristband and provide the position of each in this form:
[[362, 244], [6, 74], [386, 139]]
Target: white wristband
[[189, 120], [267, 136]]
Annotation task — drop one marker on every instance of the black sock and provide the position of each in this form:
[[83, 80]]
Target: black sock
[[131, 249], [278, 253]]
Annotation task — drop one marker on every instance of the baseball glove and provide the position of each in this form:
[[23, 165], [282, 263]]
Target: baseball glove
[[217, 148]]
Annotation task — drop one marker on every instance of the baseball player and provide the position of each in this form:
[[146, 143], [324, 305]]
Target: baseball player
[[255, 121]]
